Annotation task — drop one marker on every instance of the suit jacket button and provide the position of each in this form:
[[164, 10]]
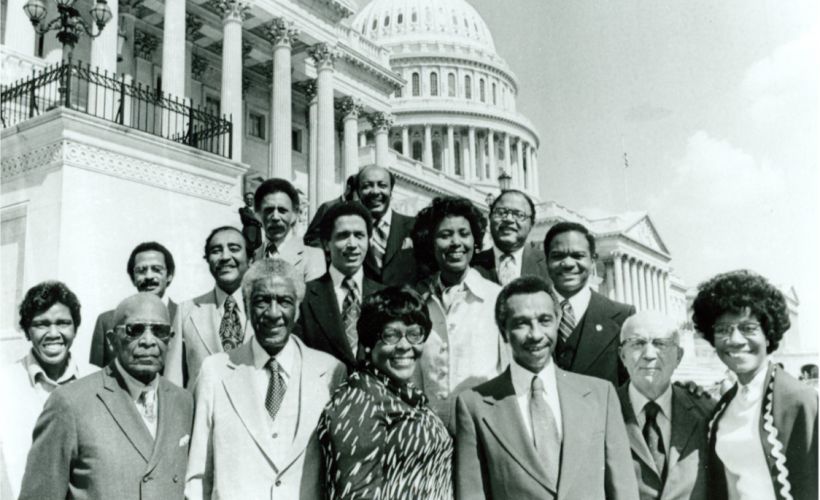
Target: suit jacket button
[[278, 483], [176, 479], [145, 479]]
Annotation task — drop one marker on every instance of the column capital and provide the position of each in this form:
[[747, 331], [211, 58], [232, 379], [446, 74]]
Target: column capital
[[349, 107], [381, 120], [281, 32], [233, 10], [199, 65], [192, 25], [324, 55], [617, 254], [145, 44], [308, 87]]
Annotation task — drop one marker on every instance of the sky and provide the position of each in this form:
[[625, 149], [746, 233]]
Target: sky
[[715, 104]]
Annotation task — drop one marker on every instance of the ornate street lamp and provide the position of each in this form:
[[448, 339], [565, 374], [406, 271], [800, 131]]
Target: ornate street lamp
[[69, 24], [504, 180]]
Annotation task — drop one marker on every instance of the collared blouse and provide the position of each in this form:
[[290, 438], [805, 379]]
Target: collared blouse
[[380, 440]]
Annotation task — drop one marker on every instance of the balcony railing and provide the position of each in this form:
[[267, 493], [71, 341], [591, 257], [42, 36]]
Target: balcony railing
[[110, 97]]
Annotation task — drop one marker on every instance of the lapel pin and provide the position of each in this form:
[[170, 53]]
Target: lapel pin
[[598, 328]]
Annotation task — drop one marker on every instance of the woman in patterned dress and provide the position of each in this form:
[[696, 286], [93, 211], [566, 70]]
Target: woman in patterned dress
[[379, 438], [763, 435]]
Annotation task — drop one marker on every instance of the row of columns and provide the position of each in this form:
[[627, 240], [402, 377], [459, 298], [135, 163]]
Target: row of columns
[[638, 283]]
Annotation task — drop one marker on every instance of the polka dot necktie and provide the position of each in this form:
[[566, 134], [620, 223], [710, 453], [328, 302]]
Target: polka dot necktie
[[276, 388]]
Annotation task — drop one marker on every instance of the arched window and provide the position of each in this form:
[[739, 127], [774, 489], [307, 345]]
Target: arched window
[[414, 17], [494, 101], [436, 155], [434, 83], [415, 79], [468, 87], [482, 93], [457, 157], [451, 84], [400, 18], [387, 21], [417, 154], [375, 25]]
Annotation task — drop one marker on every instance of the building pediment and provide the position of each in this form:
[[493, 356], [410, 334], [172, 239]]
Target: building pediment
[[644, 232]]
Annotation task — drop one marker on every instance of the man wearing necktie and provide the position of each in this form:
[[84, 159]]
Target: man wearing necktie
[[667, 426], [328, 315], [512, 215], [122, 432], [590, 323], [537, 431], [257, 406], [216, 320]]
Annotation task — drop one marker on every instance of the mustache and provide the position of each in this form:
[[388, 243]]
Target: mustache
[[148, 282]]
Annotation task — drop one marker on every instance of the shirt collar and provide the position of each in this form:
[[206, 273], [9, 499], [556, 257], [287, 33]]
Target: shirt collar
[[221, 295], [36, 373], [756, 386], [386, 218], [134, 386], [579, 301], [286, 357], [337, 277], [638, 400], [522, 377], [517, 255]]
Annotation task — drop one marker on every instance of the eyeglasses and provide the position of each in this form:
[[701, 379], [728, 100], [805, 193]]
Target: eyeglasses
[[500, 213], [136, 330], [413, 334], [639, 344], [62, 325], [746, 329]]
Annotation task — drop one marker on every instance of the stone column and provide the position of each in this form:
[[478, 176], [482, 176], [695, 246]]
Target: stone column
[[617, 262], [641, 302], [466, 162], [609, 274], [103, 58], [350, 108], [451, 152], [653, 290], [173, 49], [492, 155], [665, 281], [406, 148], [482, 157], [282, 35], [508, 161], [519, 167], [647, 287], [471, 168], [323, 56], [534, 167], [362, 139], [658, 291], [381, 122], [428, 146], [20, 35], [233, 13], [309, 89]]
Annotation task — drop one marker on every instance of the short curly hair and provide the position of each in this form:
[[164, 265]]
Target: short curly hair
[[42, 296], [429, 218], [735, 291], [395, 303]]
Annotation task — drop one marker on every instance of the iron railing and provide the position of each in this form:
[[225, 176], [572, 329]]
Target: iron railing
[[111, 97]]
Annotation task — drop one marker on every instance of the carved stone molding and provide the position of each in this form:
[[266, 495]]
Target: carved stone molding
[[381, 120], [281, 32], [145, 44], [349, 107], [199, 65], [307, 87], [192, 25], [323, 54], [23, 164], [233, 10]]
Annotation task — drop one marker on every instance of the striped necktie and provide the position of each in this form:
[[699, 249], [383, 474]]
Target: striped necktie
[[653, 437], [567, 320], [378, 243], [350, 313]]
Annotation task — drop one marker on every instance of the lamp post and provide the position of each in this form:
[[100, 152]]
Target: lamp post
[[504, 180], [69, 25]]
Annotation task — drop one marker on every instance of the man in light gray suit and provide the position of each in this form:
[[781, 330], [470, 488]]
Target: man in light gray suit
[[667, 426], [257, 406], [122, 432]]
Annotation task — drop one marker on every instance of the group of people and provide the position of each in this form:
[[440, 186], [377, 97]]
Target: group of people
[[389, 357]]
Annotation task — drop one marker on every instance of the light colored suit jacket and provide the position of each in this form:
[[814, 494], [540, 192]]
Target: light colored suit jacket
[[197, 335], [495, 457], [90, 442], [231, 450], [688, 449], [309, 262]]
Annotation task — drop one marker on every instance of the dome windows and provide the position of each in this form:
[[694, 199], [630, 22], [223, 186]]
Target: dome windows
[[400, 18], [468, 87], [375, 25], [416, 84], [414, 18], [451, 85], [494, 95], [386, 21], [482, 91], [434, 84]]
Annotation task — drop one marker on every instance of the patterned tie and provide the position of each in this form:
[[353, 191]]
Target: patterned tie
[[230, 329], [567, 324], [271, 251], [545, 432], [378, 244], [276, 388], [147, 405], [506, 269], [654, 439], [350, 313]]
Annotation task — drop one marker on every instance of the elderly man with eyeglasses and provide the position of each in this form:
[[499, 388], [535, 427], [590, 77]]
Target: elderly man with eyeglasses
[[122, 432], [667, 426]]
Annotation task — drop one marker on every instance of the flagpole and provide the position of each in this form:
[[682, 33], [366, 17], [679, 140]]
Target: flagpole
[[625, 178]]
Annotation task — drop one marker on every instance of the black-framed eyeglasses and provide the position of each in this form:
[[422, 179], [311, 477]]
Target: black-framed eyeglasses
[[747, 329], [392, 336], [639, 343], [134, 331], [500, 213]]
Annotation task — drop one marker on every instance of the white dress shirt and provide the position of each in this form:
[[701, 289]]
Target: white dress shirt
[[579, 302], [664, 418], [340, 290], [522, 383], [135, 389], [384, 222], [517, 256], [738, 444], [219, 312], [290, 367]]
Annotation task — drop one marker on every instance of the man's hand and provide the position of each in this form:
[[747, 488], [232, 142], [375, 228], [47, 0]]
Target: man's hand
[[693, 389]]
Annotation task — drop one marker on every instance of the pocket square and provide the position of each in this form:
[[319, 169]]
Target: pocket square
[[184, 440], [407, 243]]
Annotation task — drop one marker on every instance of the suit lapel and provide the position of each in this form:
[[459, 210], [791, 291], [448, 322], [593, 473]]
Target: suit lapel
[[326, 310], [575, 445], [684, 422], [118, 402], [533, 262], [633, 430], [202, 319], [503, 418], [164, 425], [292, 250], [394, 239], [599, 330]]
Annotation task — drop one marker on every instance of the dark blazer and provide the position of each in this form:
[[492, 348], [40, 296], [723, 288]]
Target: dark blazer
[[596, 335], [533, 263], [90, 442], [495, 457], [311, 237], [399, 266], [788, 436], [320, 323], [688, 450], [101, 352]]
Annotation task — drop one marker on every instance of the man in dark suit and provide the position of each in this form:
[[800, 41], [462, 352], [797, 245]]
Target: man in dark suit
[[667, 426], [330, 309], [390, 259], [312, 238], [512, 215], [151, 269], [122, 432], [590, 323], [536, 431]]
